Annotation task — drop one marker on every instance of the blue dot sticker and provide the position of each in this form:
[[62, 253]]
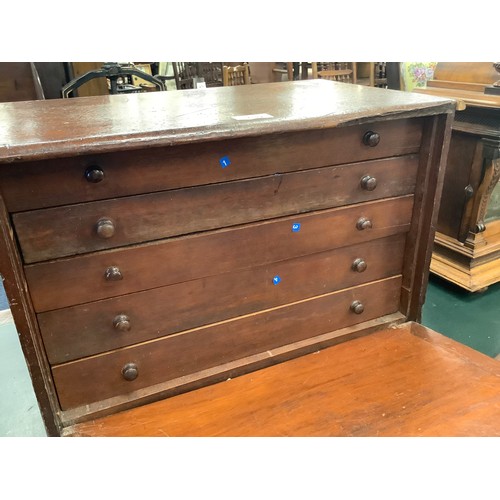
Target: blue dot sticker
[[276, 280], [296, 227], [225, 161]]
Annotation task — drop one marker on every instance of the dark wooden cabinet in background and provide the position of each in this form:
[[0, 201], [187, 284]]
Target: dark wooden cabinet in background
[[157, 243], [467, 245]]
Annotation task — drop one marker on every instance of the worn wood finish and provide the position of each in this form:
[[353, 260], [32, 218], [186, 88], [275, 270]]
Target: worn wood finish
[[58, 232], [99, 377], [128, 173], [76, 280], [429, 185], [228, 370], [200, 236], [102, 124], [392, 392], [89, 329]]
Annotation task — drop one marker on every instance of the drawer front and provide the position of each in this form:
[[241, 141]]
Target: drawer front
[[100, 377], [64, 181], [76, 229], [81, 279], [97, 327]]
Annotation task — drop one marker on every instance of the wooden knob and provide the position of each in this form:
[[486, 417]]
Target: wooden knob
[[105, 228], [130, 372], [363, 223], [113, 274], [94, 174], [368, 183], [371, 139], [357, 307], [122, 323], [359, 265]]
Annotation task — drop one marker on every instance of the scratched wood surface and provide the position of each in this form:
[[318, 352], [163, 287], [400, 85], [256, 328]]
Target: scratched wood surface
[[88, 329], [156, 264], [57, 232], [408, 381], [127, 173], [99, 377], [69, 127], [174, 208]]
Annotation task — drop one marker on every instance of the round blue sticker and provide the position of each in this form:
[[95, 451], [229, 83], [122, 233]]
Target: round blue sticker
[[225, 161], [276, 280]]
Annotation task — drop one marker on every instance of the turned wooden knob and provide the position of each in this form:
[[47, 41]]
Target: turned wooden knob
[[122, 323], [94, 174], [363, 223], [113, 273], [130, 371], [105, 228], [368, 183], [371, 139], [357, 307], [359, 265]]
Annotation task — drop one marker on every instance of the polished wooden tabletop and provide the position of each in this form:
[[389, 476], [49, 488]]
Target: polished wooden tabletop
[[405, 381]]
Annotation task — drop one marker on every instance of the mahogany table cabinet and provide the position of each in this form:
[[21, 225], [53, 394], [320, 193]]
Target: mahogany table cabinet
[[156, 245]]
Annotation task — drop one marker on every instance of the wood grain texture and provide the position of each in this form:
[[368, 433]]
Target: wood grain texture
[[429, 185], [76, 280], [99, 377], [72, 127], [203, 217], [88, 329], [149, 170], [392, 391], [57, 232]]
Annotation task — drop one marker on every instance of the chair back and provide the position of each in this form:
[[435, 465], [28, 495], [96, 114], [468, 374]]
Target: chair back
[[186, 72], [236, 75]]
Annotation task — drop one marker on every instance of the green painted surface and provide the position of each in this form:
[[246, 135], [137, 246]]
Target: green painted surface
[[19, 412], [470, 318]]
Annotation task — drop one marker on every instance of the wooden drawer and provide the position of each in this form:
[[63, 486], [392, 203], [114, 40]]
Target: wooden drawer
[[178, 210], [76, 280], [100, 377], [97, 327], [57, 232], [62, 181]]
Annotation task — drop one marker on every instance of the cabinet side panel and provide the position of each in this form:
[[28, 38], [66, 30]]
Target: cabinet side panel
[[26, 325], [429, 185]]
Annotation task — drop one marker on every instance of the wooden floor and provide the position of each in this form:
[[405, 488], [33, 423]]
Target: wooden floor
[[406, 381]]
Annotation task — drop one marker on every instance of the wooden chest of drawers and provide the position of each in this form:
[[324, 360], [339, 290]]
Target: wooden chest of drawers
[[156, 243]]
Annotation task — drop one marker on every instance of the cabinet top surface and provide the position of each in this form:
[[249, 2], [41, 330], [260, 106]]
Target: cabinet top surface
[[66, 127]]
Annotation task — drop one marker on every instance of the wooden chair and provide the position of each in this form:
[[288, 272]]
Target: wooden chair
[[337, 71], [186, 72], [236, 75]]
